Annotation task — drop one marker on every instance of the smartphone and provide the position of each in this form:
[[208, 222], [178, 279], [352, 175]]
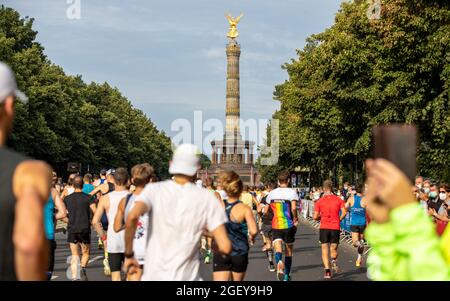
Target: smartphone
[[398, 144]]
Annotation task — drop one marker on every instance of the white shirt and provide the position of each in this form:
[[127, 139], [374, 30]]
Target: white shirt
[[140, 237], [178, 216], [283, 194], [115, 241]]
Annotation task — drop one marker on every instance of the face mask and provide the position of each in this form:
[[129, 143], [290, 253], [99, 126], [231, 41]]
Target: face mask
[[433, 194], [442, 196], [345, 187], [426, 190]]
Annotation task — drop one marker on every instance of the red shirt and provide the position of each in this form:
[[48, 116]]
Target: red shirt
[[328, 208]]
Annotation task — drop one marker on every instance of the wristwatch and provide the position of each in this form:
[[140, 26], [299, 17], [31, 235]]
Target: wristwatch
[[129, 255]]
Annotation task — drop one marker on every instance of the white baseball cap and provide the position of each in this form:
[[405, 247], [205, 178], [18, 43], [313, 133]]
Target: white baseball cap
[[8, 85], [185, 160]]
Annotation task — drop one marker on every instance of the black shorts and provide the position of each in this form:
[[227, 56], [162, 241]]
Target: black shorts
[[237, 264], [286, 235], [267, 230], [115, 261], [358, 229], [83, 237], [51, 255], [328, 236]]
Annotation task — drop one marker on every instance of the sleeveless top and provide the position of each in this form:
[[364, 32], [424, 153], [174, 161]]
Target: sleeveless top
[[115, 242], [49, 219], [237, 232], [140, 237], [9, 160], [357, 213]]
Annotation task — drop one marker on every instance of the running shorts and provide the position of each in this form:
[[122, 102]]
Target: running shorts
[[115, 261], [237, 263], [286, 235], [83, 237], [267, 230], [328, 236], [358, 229]]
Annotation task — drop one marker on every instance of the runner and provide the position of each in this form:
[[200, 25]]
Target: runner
[[241, 228], [141, 175], [266, 227], [206, 240], [68, 189], [358, 222], [283, 202], [114, 241], [180, 213], [79, 207], [54, 202], [88, 187], [327, 211], [24, 189]]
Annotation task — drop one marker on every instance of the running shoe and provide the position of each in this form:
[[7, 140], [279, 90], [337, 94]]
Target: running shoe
[[334, 266], [287, 277], [271, 267], [106, 268], [361, 249], [280, 271], [327, 274]]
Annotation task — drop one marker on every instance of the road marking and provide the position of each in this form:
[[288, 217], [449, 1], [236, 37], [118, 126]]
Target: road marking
[[95, 258]]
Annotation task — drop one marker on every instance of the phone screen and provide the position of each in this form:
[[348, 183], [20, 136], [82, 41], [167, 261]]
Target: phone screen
[[398, 144]]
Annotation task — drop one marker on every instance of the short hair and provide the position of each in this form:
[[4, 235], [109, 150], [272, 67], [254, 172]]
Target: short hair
[[78, 182], [209, 182], [231, 183], [142, 174], [71, 178], [328, 184], [283, 177], [359, 188], [121, 176], [87, 178], [444, 186], [271, 185], [96, 177]]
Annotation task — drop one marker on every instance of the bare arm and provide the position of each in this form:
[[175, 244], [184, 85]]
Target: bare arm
[[316, 216], [294, 211], [251, 224], [59, 205], [31, 187], [97, 217], [343, 213], [223, 243], [97, 189], [118, 220]]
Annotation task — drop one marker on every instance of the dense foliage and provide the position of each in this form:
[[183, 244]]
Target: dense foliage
[[363, 72], [67, 120]]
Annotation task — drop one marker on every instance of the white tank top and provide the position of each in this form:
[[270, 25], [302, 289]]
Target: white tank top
[[223, 194], [115, 242], [140, 237]]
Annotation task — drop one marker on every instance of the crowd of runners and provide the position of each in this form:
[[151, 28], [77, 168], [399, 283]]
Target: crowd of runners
[[156, 230]]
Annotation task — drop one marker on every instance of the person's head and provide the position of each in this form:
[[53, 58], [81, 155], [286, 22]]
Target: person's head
[[444, 192], [231, 183], [87, 178], [270, 186], [433, 191], [142, 174], [110, 176], [96, 177], [327, 186], [423, 195], [209, 183], [103, 174], [415, 192], [78, 183], [419, 182], [283, 178], [121, 177], [359, 188], [345, 185], [54, 178], [246, 188], [70, 179], [426, 186], [185, 162], [8, 95]]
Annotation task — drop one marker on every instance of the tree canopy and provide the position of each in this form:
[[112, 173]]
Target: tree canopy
[[68, 120], [359, 73]]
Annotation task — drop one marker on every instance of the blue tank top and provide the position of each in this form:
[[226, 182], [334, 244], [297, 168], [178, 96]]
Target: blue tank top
[[49, 221], [357, 213], [237, 232]]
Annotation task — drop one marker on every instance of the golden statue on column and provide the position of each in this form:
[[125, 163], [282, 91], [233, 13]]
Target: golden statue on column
[[233, 33]]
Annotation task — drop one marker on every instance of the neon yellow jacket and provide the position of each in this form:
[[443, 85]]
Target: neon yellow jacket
[[407, 248]]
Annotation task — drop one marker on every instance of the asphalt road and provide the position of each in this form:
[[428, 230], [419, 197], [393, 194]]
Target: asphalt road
[[306, 266]]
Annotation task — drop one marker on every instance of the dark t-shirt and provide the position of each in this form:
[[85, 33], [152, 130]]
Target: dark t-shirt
[[79, 212], [267, 218], [435, 205]]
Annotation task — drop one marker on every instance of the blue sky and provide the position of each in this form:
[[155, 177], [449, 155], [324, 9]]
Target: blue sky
[[168, 57]]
